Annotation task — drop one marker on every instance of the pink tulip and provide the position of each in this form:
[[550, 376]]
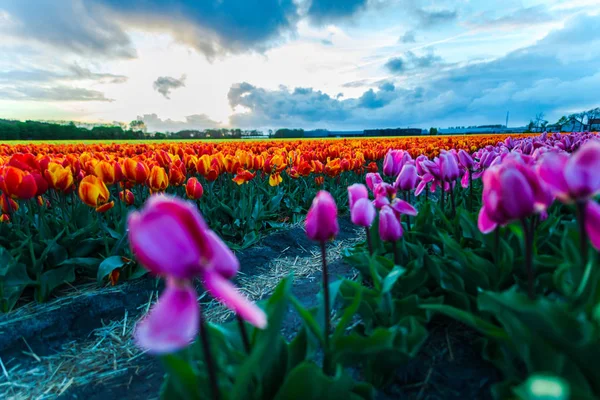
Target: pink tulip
[[363, 213], [465, 159], [171, 239], [390, 228], [321, 221], [373, 179], [572, 178], [356, 192], [407, 179], [511, 191], [449, 167], [592, 223]]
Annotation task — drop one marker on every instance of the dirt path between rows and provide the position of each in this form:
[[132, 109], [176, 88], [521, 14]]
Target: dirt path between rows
[[79, 346]]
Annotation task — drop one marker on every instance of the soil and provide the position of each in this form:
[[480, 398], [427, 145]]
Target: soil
[[448, 367]]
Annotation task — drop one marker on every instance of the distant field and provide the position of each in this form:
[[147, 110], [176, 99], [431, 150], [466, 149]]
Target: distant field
[[15, 142]]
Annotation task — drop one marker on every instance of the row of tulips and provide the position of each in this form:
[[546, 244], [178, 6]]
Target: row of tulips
[[66, 194], [421, 257]]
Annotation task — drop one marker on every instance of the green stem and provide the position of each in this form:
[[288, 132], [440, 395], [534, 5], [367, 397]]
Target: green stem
[[208, 358], [243, 333], [369, 240], [326, 360], [529, 258]]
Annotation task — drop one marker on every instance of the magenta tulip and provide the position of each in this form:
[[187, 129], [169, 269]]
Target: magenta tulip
[[592, 223], [449, 167], [511, 191], [321, 221], [572, 178], [363, 213], [390, 228], [465, 159], [407, 179], [373, 179], [356, 192], [171, 239]]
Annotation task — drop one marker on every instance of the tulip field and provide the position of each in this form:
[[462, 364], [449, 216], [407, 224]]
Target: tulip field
[[492, 236]]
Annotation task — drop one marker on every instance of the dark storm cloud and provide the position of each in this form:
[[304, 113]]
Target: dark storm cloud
[[97, 27], [165, 84]]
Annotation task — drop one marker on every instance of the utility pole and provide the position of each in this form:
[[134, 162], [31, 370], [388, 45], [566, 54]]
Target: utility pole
[[507, 113]]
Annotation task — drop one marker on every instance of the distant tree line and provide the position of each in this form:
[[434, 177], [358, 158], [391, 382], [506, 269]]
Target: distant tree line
[[33, 130]]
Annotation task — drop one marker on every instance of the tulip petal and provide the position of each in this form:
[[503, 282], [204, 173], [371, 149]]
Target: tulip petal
[[484, 223], [403, 207], [592, 223], [464, 182], [222, 260], [581, 171], [173, 321], [224, 291], [551, 170], [363, 213], [163, 243]]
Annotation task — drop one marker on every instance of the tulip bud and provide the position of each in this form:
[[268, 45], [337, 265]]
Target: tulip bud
[[194, 189], [390, 228], [356, 192], [448, 167], [321, 221], [407, 179], [158, 180], [363, 212], [127, 197], [465, 159], [373, 179]]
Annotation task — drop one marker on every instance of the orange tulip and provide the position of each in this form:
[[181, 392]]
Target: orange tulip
[[106, 172], [127, 197], [158, 180], [136, 171], [293, 173], [275, 179], [243, 176], [194, 189], [17, 183], [94, 193], [319, 180], [4, 218], [177, 173], [8, 205], [59, 178]]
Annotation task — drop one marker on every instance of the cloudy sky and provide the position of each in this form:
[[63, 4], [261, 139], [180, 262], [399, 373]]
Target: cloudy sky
[[335, 64]]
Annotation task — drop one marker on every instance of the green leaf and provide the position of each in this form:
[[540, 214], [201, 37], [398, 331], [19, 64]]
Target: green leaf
[[262, 355], [109, 265], [307, 381], [83, 262], [391, 278], [183, 379], [347, 316], [52, 279], [309, 319], [467, 318]]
